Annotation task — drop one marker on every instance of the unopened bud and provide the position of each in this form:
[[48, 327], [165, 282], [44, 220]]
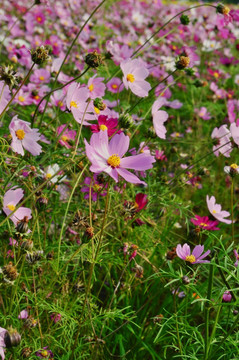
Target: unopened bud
[[99, 104], [222, 9], [184, 19], [12, 338], [126, 121]]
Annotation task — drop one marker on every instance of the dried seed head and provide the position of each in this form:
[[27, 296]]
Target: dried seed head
[[93, 59], [22, 225], [26, 352], [10, 272], [9, 76], [138, 270], [183, 62], [222, 9], [89, 232], [27, 245], [40, 54], [186, 280], [33, 257]]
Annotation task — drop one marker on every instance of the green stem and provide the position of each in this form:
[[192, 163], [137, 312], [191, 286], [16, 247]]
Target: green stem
[[232, 215], [207, 311], [66, 212]]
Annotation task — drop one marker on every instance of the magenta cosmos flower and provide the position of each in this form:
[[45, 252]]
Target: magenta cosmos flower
[[237, 257], [195, 257], [76, 101], [108, 157], [216, 210], [159, 118], [204, 223], [23, 137], [10, 201], [105, 124], [134, 74]]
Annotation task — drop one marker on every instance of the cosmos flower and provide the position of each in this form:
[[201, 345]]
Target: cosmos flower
[[134, 74], [159, 118], [2, 342], [10, 201], [203, 113], [66, 135], [223, 138], [237, 257], [4, 95], [108, 157], [45, 353], [234, 129], [76, 101], [105, 124], [115, 85], [96, 87], [226, 297], [204, 223], [195, 257], [23, 137], [216, 210], [97, 189]]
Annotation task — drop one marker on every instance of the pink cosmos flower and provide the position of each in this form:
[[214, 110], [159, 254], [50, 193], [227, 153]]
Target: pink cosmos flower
[[159, 118], [55, 317], [105, 124], [234, 129], [224, 145], [203, 113], [2, 342], [119, 53], [196, 257], [4, 95], [10, 201], [23, 315], [134, 74], [237, 257], [232, 110], [76, 101], [216, 210], [96, 87], [66, 135], [108, 157], [204, 223], [115, 85], [23, 137], [40, 76]]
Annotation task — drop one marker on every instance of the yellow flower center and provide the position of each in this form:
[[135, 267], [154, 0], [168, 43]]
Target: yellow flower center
[[214, 211], [41, 78], [39, 19], [91, 87], [48, 176], [103, 127], [130, 78], [114, 161], [225, 10], [201, 113], [36, 97], [96, 110], [64, 138], [190, 258], [44, 353], [212, 45], [97, 188], [73, 104], [234, 166], [114, 86], [21, 98], [20, 134], [60, 103], [203, 224], [177, 134], [216, 75], [11, 207]]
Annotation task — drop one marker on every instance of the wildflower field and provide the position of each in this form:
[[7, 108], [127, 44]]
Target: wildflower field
[[119, 180]]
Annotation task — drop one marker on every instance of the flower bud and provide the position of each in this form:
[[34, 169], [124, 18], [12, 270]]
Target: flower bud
[[27, 245], [184, 19], [93, 59], [126, 121], [186, 280], [222, 9], [99, 104], [12, 338], [10, 272]]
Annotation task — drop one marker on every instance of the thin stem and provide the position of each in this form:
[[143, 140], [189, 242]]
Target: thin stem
[[176, 323], [66, 212], [207, 311], [232, 217]]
